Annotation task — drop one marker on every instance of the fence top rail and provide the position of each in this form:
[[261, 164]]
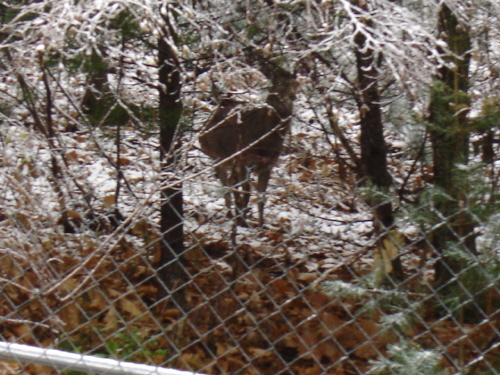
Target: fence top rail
[[78, 362]]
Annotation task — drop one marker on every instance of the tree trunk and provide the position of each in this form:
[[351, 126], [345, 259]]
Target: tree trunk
[[96, 100], [171, 267], [373, 147], [449, 132]]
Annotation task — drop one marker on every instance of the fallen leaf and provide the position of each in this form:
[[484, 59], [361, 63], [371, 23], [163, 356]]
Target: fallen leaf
[[130, 307]]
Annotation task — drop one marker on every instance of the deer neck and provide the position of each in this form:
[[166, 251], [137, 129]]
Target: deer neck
[[283, 106]]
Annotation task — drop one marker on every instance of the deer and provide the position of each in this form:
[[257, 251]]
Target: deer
[[244, 138]]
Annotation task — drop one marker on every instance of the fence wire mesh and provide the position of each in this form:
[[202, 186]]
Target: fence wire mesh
[[309, 292], [116, 237]]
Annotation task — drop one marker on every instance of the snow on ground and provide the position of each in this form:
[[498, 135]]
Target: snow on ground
[[313, 212]]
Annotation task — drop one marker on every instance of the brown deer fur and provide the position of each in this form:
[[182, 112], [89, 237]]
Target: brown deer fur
[[249, 138]]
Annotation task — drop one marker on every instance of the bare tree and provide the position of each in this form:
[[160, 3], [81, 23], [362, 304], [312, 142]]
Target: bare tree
[[171, 265]]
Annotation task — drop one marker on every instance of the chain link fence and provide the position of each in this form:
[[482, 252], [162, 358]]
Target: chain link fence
[[119, 252], [312, 291]]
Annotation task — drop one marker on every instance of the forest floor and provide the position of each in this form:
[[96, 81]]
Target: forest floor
[[292, 297]]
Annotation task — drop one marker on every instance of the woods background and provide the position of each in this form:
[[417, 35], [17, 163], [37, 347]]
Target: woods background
[[379, 251]]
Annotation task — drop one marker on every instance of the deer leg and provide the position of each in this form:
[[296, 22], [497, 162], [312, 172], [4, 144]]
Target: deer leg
[[222, 174], [262, 182], [242, 195], [244, 199]]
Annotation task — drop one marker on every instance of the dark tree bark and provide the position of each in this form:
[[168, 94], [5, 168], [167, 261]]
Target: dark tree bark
[[373, 147], [449, 132], [55, 167], [171, 267], [94, 102]]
